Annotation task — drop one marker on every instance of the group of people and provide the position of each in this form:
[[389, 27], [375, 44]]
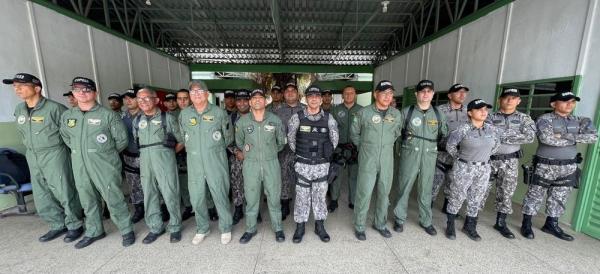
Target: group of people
[[197, 159]]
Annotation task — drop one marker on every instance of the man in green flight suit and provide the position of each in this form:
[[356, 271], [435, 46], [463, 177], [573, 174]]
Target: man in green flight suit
[[158, 137], [374, 130], [423, 126], [96, 135], [259, 137], [54, 193], [207, 132]]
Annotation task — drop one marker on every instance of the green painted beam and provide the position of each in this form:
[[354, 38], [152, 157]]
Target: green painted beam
[[281, 68], [337, 86], [233, 84]]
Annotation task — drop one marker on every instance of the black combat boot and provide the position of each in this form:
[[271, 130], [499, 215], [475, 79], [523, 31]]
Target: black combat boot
[[285, 208], [320, 230], [470, 228], [138, 214], [333, 205], [502, 227], [212, 214], [526, 230], [450, 230], [299, 233], [551, 227], [188, 212], [238, 214]]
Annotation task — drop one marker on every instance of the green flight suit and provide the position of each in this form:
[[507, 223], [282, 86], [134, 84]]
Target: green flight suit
[[418, 154], [96, 137], [260, 142], [54, 193], [158, 170], [207, 135], [374, 132], [343, 116]]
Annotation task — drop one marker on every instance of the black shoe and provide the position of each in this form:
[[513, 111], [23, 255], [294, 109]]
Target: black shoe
[[138, 214], [279, 236], [470, 228], [299, 233], [88, 241], [501, 226], [238, 214], [398, 227], [151, 237], [73, 235], [247, 237], [175, 237], [551, 227], [360, 235], [212, 214], [384, 232], [259, 218], [285, 208], [429, 229], [187, 213], [351, 205], [526, 230], [128, 239], [320, 230], [450, 231], [164, 212], [333, 205], [52, 234]]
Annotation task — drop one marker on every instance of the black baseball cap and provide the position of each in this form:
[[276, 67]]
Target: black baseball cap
[[115, 96], [88, 83], [564, 96], [229, 93], [312, 89], [129, 93], [457, 87], [327, 91], [23, 78], [242, 94], [258, 92], [291, 84], [510, 92], [69, 93], [276, 87], [170, 96], [477, 104], [384, 85], [425, 84]]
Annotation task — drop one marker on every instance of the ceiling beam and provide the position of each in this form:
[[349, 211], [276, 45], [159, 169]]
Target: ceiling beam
[[357, 34], [277, 23]]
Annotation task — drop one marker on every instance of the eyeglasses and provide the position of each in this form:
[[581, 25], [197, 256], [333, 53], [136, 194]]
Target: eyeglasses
[[197, 91], [85, 90], [145, 99]]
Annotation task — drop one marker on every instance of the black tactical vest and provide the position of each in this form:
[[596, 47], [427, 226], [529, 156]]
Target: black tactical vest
[[313, 145]]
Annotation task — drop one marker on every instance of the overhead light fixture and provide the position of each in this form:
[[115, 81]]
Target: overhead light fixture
[[148, 3], [384, 4]]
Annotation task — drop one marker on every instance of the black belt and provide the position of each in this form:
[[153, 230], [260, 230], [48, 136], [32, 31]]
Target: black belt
[[151, 145], [554, 162], [473, 163], [423, 138], [308, 183], [311, 161], [500, 157]]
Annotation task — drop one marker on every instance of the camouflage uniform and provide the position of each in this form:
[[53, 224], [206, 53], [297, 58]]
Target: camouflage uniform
[[131, 162], [557, 138], [312, 178], [236, 177], [454, 118], [513, 130], [471, 170], [286, 156]]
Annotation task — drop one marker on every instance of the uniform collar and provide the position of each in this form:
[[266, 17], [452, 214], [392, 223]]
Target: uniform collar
[[157, 113], [38, 105], [316, 116], [94, 108]]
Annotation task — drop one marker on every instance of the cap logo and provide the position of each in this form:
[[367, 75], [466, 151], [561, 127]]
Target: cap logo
[[567, 93], [386, 83], [514, 90], [426, 84], [20, 76], [457, 86], [479, 102]]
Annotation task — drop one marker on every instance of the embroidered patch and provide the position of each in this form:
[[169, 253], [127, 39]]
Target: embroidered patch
[[247, 147], [21, 119], [216, 135], [432, 123], [37, 119], [102, 138], [156, 122], [341, 114], [94, 122], [376, 119], [323, 130], [143, 124], [389, 119], [250, 129], [416, 121], [208, 118], [71, 122], [193, 121], [269, 128], [304, 128]]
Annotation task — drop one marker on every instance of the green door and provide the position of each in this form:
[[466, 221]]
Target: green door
[[587, 216], [408, 97]]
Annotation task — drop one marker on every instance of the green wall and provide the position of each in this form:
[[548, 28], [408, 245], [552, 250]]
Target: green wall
[[9, 138]]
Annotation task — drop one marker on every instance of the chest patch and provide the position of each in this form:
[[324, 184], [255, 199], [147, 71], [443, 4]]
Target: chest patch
[[193, 121], [21, 119], [216, 135], [71, 122], [250, 129], [37, 119], [304, 128], [269, 128], [376, 119], [341, 114], [156, 122], [389, 119], [143, 124], [416, 121], [432, 123], [101, 138], [208, 118], [94, 122]]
